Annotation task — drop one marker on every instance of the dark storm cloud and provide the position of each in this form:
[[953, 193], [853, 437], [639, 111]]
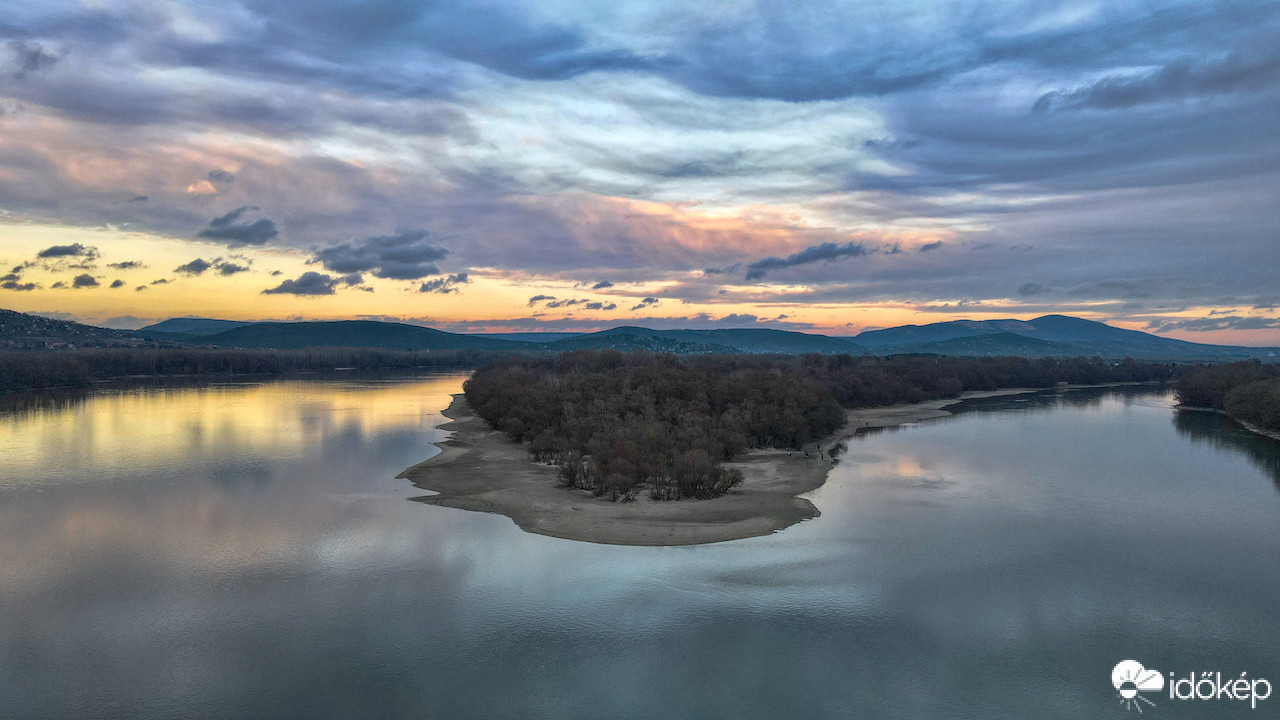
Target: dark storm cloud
[[826, 252], [228, 228], [403, 256], [308, 283], [445, 285]]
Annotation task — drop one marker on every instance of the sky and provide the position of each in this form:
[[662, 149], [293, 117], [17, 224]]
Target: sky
[[522, 166]]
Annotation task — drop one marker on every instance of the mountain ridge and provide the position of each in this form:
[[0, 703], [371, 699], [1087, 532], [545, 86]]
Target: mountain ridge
[[1039, 337]]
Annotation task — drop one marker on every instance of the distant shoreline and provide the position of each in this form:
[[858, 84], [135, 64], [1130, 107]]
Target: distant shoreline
[[481, 469]]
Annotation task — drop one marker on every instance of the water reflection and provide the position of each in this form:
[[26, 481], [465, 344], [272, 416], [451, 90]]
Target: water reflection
[[246, 552], [1228, 436]]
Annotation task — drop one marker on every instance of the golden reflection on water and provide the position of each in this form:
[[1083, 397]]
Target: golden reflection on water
[[208, 479], [145, 430]]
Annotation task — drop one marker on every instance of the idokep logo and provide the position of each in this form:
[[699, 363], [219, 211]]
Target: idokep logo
[[1131, 679]]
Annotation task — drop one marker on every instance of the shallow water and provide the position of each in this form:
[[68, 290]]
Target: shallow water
[[245, 552]]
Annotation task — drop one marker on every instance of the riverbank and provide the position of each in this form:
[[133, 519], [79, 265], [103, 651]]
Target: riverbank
[[481, 469], [1255, 429]]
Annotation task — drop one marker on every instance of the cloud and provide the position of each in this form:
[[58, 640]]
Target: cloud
[[68, 251], [117, 283], [224, 267], [128, 322], [161, 281], [565, 303], [825, 252], [931, 246], [195, 267], [540, 298], [1252, 65], [127, 265], [13, 281], [139, 199], [444, 285], [402, 256], [645, 303], [602, 285], [308, 283], [228, 228], [1209, 324], [218, 175], [30, 57], [84, 280], [600, 306]]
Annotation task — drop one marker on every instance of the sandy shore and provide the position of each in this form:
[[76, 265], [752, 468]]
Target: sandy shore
[[481, 469]]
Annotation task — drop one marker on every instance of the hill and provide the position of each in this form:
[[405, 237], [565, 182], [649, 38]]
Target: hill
[[1063, 334], [194, 326], [994, 345], [21, 331], [1050, 335], [627, 342], [355, 333], [747, 340]]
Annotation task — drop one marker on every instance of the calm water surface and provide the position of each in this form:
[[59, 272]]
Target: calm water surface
[[245, 552]]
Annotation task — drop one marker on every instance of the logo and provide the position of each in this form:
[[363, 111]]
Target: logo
[[1131, 680]]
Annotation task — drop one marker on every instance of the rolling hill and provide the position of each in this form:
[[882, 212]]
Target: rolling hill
[[747, 340], [21, 331], [1049, 335], [194, 326], [1063, 335], [355, 333]]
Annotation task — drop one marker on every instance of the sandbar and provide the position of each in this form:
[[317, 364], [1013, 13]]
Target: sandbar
[[480, 469]]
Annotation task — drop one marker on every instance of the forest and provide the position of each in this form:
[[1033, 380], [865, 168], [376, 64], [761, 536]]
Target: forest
[[26, 370], [617, 424], [1247, 391]]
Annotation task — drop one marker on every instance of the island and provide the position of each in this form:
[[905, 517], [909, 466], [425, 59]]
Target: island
[[651, 449]]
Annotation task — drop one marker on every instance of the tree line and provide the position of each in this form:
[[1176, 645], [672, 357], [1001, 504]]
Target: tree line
[[76, 368], [616, 424], [1248, 391]]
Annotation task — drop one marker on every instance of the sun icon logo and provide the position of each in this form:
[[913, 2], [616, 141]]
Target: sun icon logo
[[1130, 679]]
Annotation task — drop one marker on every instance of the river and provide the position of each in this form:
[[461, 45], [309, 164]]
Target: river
[[245, 551]]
